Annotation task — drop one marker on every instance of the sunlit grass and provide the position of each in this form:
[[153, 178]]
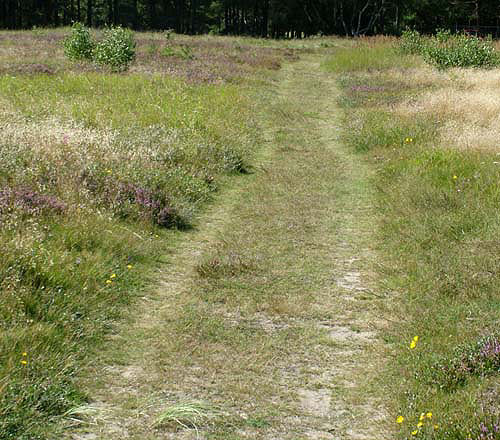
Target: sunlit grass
[[367, 57], [95, 169], [440, 206]]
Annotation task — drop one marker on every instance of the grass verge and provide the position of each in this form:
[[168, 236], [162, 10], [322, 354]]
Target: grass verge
[[98, 174], [441, 210]]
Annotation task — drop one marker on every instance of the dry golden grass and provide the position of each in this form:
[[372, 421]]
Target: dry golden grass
[[465, 103]]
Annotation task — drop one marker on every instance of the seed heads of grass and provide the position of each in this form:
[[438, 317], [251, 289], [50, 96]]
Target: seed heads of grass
[[187, 415]]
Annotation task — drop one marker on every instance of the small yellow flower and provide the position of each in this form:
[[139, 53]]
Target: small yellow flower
[[420, 424], [414, 432], [400, 419], [25, 354], [24, 362], [129, 266], [455, 177], [108, 281], [109, 171], [413, 344], [436, 426], [429, 415], [415, 338], [113, 276], [422, 417]]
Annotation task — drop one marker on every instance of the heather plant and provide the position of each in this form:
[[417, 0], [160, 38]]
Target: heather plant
[[479, 359], [116, 50], [28, 202], [79, 45]]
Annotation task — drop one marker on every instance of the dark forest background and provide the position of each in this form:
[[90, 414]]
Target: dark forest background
[[266, 18]]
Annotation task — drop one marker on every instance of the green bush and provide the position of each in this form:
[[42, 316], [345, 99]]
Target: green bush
[[116, 50], [446, 50], [79, 45], [411, 42]]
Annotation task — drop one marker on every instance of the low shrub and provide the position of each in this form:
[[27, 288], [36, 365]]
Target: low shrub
[[116, 50], [184, 52], [411, 42], [479, 359], [446, 50], [79, 45]]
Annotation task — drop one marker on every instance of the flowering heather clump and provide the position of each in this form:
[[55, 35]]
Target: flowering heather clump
[[489, 431], [479, 359], [151, 205], [28, 202]]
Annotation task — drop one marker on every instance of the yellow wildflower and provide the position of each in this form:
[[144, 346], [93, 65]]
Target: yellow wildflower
[[108, 281], [429, 415], [25, 354], [414, 432], [455, 177], [24, 362], [415, 338], [420, 424], [109, 171], [129, 266], [113, 276], [400, 419], [422, 417], [413, 344], [436, 426]]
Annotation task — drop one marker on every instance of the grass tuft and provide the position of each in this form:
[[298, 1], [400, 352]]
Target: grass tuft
[[187, 415]]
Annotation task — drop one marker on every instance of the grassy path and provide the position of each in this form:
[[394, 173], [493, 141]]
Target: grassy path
[[268, 311]]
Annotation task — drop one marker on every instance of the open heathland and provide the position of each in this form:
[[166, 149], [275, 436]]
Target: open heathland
[[239, 238], [96, 167]]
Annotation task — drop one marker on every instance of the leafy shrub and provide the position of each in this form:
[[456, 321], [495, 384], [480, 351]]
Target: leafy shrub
[[446, 50], [79, 45], [184, 52], [411, 42], [167, 51], [168, 33], [116, 50]]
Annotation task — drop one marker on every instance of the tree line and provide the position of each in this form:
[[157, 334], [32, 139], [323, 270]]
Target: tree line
[[265, 18]]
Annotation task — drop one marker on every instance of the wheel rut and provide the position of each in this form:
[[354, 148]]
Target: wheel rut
[[268, 312]]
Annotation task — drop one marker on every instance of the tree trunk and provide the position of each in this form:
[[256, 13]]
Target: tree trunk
[[110, 12], [135, 15], [90, 12], [265, 19]]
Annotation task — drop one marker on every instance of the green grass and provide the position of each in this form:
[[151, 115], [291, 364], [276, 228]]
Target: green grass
[[441, 211], [378, 56], [98, 173]]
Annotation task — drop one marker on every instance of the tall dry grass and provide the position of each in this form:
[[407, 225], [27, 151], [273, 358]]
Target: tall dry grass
[[466, 107]]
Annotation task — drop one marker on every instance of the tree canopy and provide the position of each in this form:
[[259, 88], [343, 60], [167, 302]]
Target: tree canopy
[[266, 18]]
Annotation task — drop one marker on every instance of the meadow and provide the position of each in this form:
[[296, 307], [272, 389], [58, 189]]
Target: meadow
[[433, 136], [104, 175], [99, 173]]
